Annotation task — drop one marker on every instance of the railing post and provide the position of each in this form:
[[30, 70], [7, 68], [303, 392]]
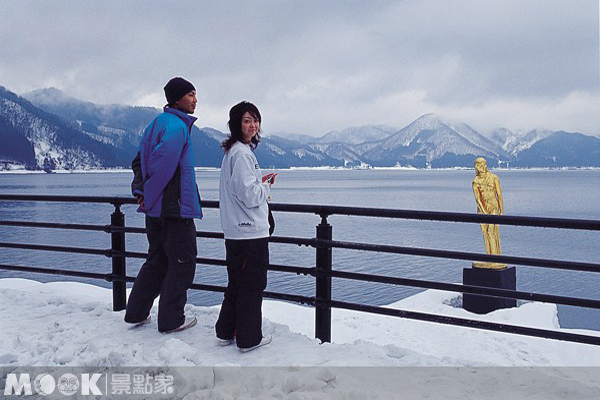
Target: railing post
[[117, 219], [323, 284]]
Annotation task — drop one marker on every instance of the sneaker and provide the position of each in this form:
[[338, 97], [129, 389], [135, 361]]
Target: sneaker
[[134, 325], [265, 341], [225, 342], [188, 323]]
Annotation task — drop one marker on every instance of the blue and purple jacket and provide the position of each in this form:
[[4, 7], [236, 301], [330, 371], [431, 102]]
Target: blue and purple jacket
[[164, 168]]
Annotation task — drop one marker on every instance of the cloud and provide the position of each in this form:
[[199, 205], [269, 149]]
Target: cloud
[[314, 66]]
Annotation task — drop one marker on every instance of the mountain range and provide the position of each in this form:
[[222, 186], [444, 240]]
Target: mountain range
[[45, 129]]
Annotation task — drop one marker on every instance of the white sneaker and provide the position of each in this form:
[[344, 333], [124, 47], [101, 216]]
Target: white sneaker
[[225, 342], [134, 325], [265, 341], [188, 323]]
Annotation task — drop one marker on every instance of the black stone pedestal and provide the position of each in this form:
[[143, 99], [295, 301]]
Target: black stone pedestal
[[493, 278]]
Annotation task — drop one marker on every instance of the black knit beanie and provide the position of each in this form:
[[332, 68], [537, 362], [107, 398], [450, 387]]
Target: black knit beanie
[[176, 88]]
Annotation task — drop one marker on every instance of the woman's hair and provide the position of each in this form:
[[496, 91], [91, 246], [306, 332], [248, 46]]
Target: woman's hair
[[235, 125]]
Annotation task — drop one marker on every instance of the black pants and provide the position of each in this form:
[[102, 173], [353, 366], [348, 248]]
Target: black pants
[[241, 315], [168, 271]]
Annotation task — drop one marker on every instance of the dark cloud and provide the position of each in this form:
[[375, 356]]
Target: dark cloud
[[315, 66]]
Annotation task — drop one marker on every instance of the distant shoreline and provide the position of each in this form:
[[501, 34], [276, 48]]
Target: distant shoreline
[[197, 169]]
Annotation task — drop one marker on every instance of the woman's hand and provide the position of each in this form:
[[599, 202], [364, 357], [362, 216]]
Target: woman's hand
[[269, 178]]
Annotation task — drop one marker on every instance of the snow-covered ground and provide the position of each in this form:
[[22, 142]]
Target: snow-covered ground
[[72, 324]]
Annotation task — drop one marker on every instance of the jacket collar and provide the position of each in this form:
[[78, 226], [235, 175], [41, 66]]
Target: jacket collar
[[188, 119]]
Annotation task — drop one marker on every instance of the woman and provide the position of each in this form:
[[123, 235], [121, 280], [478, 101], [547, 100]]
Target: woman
[[243, 195]]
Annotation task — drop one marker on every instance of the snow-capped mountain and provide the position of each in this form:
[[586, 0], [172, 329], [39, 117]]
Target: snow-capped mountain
[[430, 139], [63, 132], [120, 127], [279, 152], [296, 137], [559, 149], [113, 124], [215, 134], [503, 137], [515, 142], [519, 143], [358, 135], [39, 140], [345, 153]]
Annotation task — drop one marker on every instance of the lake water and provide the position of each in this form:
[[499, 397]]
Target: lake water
[[561, 193]]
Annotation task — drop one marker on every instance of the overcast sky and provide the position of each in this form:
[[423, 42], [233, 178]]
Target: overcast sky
[[316, 66]]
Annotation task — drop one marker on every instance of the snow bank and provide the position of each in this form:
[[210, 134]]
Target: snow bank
[[69, 323], [72, 324]]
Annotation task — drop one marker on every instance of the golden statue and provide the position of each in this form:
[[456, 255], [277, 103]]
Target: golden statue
[[488, 195]]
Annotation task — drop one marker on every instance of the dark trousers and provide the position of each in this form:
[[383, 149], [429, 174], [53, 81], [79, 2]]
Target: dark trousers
[[241, 314], [168, 271]]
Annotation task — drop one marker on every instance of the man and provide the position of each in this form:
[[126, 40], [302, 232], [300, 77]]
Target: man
[[165, 185], [488, 196]]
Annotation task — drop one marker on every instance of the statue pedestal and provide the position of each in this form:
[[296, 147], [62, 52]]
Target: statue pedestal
[[493, 278]]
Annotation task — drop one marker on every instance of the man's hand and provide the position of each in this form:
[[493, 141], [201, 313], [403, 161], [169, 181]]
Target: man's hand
[[140, 201]]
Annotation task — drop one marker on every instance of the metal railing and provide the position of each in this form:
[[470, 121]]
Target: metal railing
[[322, 272]]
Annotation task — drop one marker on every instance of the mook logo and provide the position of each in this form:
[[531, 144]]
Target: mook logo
[[45, 384]]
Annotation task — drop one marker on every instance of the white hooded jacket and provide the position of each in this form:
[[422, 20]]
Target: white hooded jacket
[[242, 195]]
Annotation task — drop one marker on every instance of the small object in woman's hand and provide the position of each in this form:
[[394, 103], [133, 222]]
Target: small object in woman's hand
[[269, 178]]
